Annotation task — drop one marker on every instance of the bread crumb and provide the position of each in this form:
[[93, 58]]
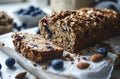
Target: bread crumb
[[44, 67]]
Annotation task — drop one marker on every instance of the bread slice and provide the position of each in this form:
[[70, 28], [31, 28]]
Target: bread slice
[[76, 30], [35, 48]]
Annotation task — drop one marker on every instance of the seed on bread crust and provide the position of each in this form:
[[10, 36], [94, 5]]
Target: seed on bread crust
[[96, 57], [83, 65]]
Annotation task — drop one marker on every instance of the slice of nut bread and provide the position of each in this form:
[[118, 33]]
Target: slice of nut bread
[[35, 48]]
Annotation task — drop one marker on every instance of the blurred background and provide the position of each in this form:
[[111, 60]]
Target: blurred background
[[17, 15]]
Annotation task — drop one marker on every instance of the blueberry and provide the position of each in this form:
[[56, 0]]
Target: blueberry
[[102, 51], [15, 25], [49, 47], [24, 25], [25, 12], [20, 11], [10, 62], [31, 8], [57, 64], [38, 31], [19, 28], [0, 66]]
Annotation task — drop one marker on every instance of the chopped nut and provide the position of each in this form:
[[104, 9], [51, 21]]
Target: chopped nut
[[74, 54], [84, 58], [20, 75], [44, 67], [67, 57]]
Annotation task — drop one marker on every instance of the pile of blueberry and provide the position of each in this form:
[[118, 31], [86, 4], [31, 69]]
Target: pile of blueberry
[[31, 10]]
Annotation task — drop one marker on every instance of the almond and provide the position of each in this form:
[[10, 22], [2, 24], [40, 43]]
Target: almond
[[20, 75], [96, 57], [83, 65]]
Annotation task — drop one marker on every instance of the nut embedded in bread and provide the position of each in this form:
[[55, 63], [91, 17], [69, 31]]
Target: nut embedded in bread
[[76, 30], [35, 48]]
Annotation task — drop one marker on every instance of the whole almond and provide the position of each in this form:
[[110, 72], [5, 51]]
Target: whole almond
[[96, 57], [20, 75], [83, 65]]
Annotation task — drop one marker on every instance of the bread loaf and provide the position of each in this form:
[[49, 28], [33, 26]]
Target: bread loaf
[[78, 29]]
